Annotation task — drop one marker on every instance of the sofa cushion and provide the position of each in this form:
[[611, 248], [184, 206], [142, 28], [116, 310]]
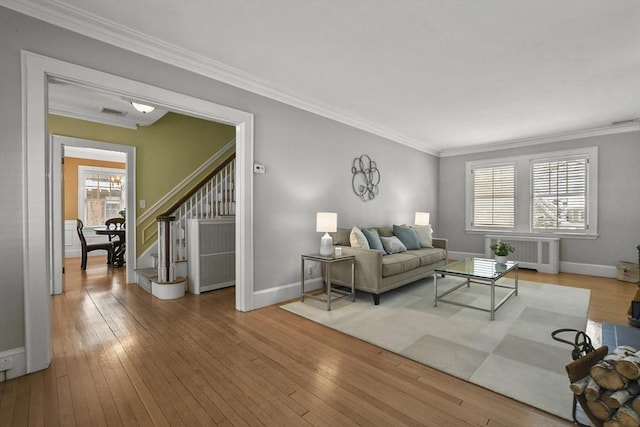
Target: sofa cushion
[[428, 256], [374, 239], [357, 239], [341, 237], [393, 245], [424, 235], [407, 236], [399, 263]]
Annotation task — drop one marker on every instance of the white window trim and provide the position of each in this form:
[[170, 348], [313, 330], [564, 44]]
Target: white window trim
[[523, 224], [82, 170]]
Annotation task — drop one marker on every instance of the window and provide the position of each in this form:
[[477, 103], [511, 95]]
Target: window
[[559, 194], [101, 194], [494, 196], [552, 193]]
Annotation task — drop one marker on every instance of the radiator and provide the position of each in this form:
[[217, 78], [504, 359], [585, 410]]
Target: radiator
[[211, 254], [538, 253]]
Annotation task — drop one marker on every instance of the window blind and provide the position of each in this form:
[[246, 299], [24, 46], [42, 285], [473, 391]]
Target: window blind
[[559, 194], [494, 196]]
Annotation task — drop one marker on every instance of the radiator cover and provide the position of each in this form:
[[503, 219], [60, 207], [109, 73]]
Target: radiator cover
[[211, 254], [538, 253]]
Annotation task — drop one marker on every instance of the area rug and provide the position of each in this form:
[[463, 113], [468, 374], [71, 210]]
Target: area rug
[[616, 335], [513, 355]]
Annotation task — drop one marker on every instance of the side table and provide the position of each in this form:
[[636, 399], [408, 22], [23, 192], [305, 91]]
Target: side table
[[326, 262]]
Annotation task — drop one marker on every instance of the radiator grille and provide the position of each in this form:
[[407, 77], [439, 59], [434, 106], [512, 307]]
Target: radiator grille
[[212, 258], [539, 253]]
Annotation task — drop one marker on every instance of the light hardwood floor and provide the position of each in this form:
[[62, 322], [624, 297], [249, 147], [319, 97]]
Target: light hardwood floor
[[122, 357]]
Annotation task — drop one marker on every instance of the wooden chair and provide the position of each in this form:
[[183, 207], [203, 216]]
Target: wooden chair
[[118, 222], [86, 248]]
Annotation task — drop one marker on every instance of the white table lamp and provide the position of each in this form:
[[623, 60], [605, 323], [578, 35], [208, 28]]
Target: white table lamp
[[422, 218], [326, 222]]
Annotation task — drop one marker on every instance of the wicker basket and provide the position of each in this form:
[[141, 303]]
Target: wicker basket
[[579, 369], [584, 357]]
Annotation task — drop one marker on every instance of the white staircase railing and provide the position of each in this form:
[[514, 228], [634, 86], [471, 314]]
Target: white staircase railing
[[216, 198]]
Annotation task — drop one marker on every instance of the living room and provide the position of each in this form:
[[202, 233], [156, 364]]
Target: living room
[[308, 160]]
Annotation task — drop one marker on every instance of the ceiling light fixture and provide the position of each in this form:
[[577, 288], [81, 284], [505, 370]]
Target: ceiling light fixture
[[143, 108]]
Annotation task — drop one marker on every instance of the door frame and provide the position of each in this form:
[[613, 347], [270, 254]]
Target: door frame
[[37, 238], [57, 247]]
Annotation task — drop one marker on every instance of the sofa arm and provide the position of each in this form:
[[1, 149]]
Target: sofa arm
[[440, 243], [368, 269]]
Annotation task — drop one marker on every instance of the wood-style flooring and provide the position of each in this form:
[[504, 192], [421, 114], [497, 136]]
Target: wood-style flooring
[[123, 357]]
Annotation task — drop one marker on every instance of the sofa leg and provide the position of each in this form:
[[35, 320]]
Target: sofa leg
[[376, 299]]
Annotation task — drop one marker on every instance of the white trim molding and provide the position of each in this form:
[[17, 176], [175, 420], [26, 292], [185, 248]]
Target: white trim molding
[[153, 209], [286, 292], [17, 358], [79, 21], [526, 142], [37, 241]]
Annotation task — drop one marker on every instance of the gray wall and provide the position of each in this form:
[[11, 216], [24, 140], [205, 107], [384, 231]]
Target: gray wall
[[618, 200], [308, 160]]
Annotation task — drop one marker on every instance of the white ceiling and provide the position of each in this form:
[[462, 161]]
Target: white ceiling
[[81, 102], [441, 76]]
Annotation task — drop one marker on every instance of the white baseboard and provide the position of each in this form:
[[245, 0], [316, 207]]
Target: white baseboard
[[588, 269], [565, 266], [282, 293], [18, 361]]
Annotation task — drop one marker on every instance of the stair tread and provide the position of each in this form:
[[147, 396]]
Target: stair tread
[[147, 272]]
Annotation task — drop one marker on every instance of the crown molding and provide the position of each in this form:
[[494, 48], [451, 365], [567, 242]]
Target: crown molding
[[525, 142], [76, 20]]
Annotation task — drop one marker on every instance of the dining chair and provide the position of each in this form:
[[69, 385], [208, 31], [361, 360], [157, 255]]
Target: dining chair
[[118, 222], [86, 248]]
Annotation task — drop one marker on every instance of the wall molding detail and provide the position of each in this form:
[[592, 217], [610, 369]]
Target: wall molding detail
[[153, 209]]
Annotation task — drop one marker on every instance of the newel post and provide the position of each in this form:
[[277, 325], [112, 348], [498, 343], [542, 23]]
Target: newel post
[[166, 264]]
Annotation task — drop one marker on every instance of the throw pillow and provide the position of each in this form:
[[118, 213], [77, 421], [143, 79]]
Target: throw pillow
[[424, 235], [357, 239], [393, 245], [374, 239], [407, 236]]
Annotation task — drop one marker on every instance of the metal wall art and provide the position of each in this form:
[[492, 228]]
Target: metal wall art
[[366, 178]]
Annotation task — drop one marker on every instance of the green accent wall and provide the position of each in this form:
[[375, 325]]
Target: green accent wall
[[166, 153]]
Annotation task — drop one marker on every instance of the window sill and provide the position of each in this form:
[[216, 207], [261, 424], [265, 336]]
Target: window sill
[[529, 234]]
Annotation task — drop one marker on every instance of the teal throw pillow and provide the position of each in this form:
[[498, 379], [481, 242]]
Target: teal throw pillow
[[374, 239], [407, 236]]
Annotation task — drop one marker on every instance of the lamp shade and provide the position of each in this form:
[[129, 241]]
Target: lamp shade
[[422, 218], [327, 222]]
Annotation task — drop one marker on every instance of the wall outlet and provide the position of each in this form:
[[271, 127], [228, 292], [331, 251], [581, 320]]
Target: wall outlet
[[308, 271], [6, 363]]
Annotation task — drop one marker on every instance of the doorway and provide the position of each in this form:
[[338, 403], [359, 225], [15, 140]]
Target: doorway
[[61, 145], [36, 69]]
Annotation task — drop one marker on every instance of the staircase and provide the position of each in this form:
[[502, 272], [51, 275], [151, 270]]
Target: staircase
[[214, 198]]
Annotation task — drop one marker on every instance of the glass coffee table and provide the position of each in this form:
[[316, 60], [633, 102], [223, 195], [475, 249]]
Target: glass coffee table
[[481, 271]]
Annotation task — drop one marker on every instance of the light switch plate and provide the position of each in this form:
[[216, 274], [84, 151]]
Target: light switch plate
[[259, 168]]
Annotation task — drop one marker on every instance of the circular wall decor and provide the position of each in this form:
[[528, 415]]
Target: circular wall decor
[[366, 178]]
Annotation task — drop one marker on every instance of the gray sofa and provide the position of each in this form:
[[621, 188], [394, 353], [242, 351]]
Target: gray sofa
[[377, 273]]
